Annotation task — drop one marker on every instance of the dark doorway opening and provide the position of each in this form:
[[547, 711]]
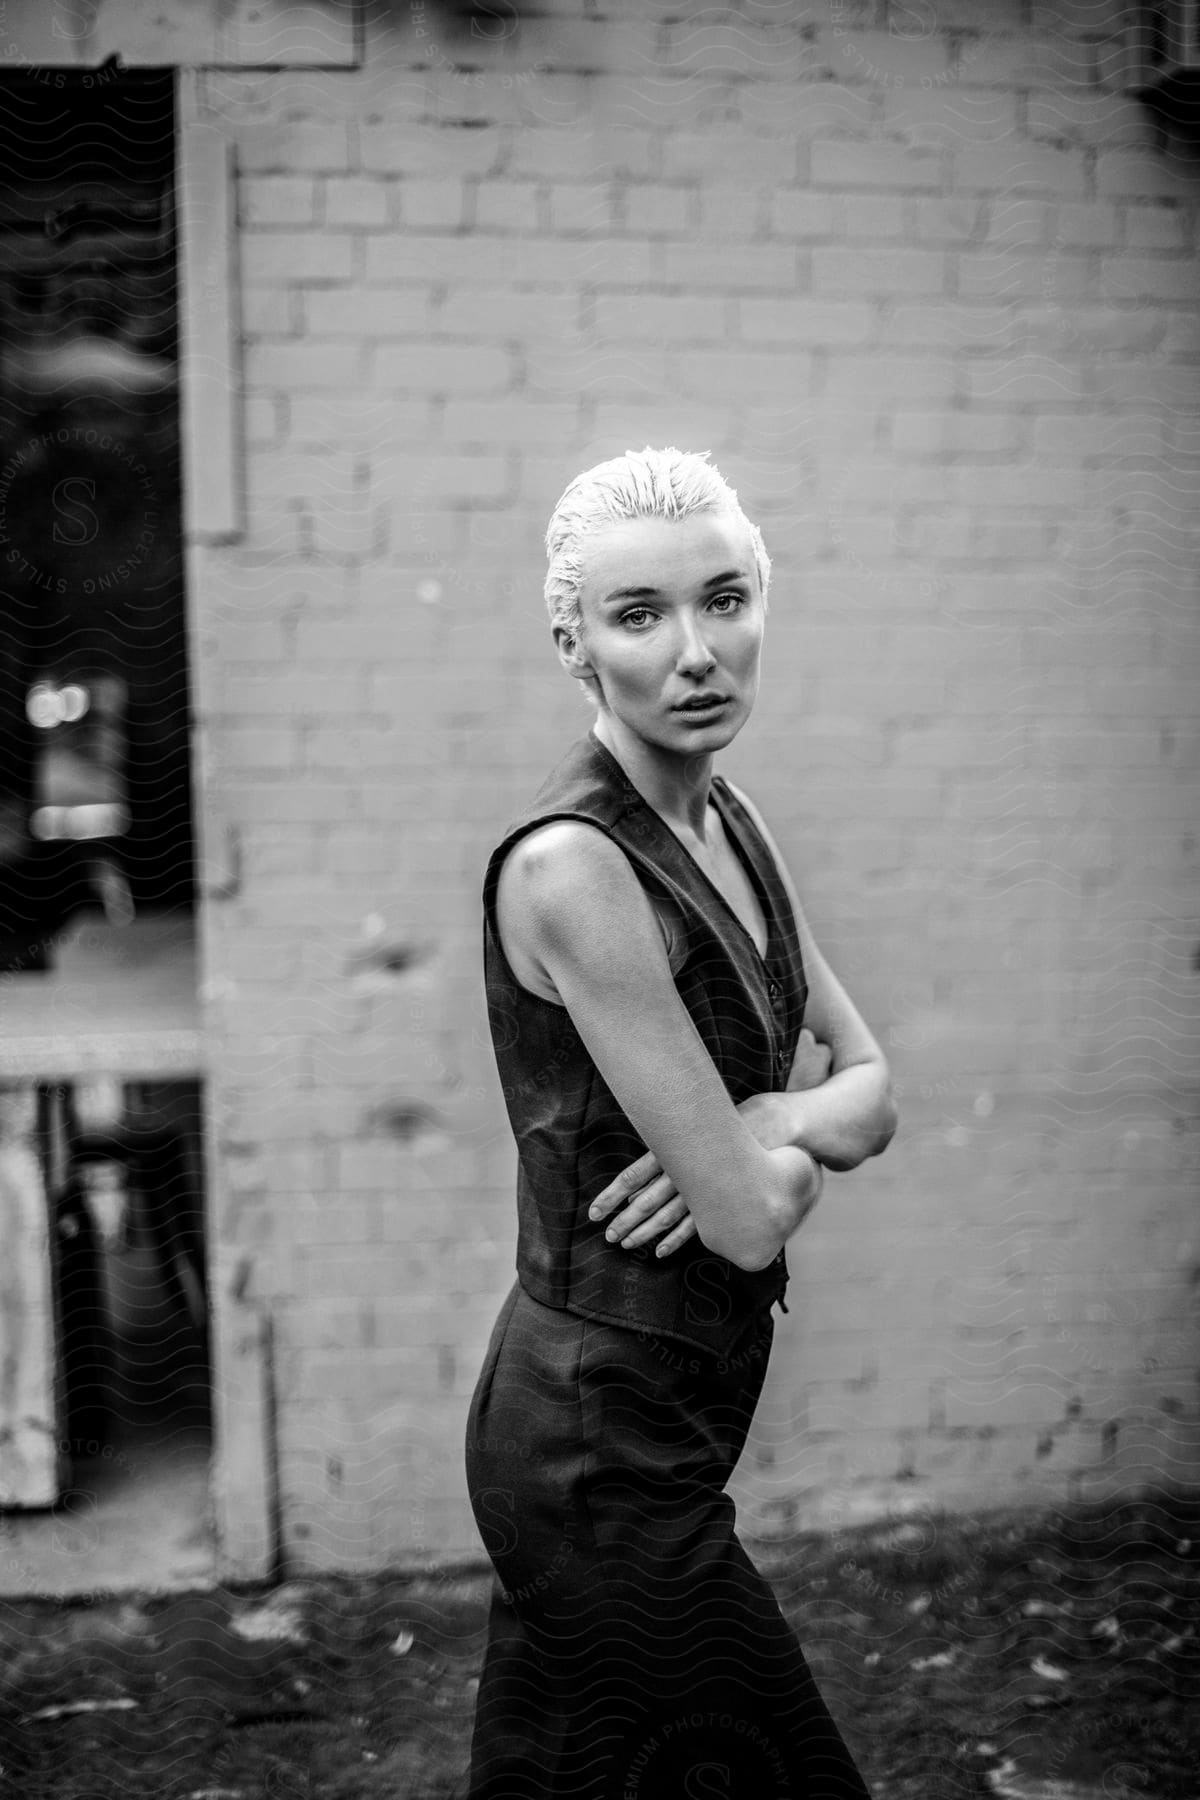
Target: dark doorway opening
[[97, 850], [95, 780]]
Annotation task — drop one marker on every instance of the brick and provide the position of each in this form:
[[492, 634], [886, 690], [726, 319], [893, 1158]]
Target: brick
[[438, 151], [745, 374], [659, 210], [1148, 175], [251, 748], [356, 201], [676, 318], [842, 164], [755, 266], [482, 96], [949, 115], [1082, 117], [1010, 167], [621, 420], [587, 44], [582, 206], [1146, 383], [885, 59], [1149, 277], [998, 274], [441, 368], [730, 213], [955, 220], [272, 257], [1156, 227], [1020, 221], [1088, 330], [292, 692], [729, 156], [356, 420], [887, 378], [958, 433], [513, 420], [451, 476], [410, 256], [284, 147], [297, 473], [1024, 60], [797, 213], [432, 204], [563, 152], [271, 311], [488, 313], [340, 526], [1037, 485], [1092, 18], [762, 50], [1089, 435], [1016, 380], [883, 482], [299, 366], [367, 312], [802, 321], [876, 217], [506, 206], [553, 368], [820, 108], [836, 270], [277, 200], [264, 415], [355, 744], [1089, 224]]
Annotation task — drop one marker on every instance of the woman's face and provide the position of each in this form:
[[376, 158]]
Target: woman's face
[[672, 610]]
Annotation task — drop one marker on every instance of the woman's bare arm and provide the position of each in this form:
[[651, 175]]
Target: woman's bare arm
[[585, 920], [852, 1114], [840, 1109]]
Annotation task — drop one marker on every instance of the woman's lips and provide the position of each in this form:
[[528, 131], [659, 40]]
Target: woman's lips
[[702, 712]]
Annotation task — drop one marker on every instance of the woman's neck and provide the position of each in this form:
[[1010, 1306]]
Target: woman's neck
[[675, 785]]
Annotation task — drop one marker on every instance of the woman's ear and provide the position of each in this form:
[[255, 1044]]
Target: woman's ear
[[571, 653]]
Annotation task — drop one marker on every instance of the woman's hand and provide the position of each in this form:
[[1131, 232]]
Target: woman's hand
[[642, 1203], [811, 1063]]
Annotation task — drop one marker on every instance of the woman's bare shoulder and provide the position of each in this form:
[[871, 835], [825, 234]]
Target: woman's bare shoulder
[[568, 876]]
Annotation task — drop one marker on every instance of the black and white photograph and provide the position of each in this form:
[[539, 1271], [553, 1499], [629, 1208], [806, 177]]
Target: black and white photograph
[[599, 900]]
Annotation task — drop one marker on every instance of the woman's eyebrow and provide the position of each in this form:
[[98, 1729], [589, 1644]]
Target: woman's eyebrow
[[653, 593]]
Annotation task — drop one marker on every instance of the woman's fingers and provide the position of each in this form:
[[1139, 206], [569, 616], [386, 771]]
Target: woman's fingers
[[659, 1192], [675, 1239], [811, 1062], [624, 1185], [665, 1217]]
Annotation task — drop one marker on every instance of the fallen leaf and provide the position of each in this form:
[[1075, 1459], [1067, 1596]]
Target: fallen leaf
[[67, 1707], [270, 1622]]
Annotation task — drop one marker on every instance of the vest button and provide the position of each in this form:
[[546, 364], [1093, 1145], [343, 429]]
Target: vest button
[[774, 990]]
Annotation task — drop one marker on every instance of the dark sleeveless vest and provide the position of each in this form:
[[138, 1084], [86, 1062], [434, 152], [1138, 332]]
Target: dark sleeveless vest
[[572, 1136]]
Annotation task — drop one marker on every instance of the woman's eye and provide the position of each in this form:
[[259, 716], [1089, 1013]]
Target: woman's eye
[[635, 612], [738, 599]]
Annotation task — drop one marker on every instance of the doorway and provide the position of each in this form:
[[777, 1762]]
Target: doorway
[[97, 854]]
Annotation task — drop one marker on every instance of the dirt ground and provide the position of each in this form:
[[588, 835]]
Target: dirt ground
[[1048, 1656]]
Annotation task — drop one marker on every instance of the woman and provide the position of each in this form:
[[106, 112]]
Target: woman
[[648, 970]]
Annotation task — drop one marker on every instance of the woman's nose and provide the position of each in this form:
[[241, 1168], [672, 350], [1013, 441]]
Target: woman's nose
[[694, 654]]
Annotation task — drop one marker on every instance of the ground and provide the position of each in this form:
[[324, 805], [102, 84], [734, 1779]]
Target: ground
[[1038, 1656]]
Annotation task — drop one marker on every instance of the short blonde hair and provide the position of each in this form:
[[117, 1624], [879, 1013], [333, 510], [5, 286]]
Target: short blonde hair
[[642, 484]]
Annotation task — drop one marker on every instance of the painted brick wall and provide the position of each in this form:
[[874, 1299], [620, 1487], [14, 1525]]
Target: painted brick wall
[[926, 286]]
